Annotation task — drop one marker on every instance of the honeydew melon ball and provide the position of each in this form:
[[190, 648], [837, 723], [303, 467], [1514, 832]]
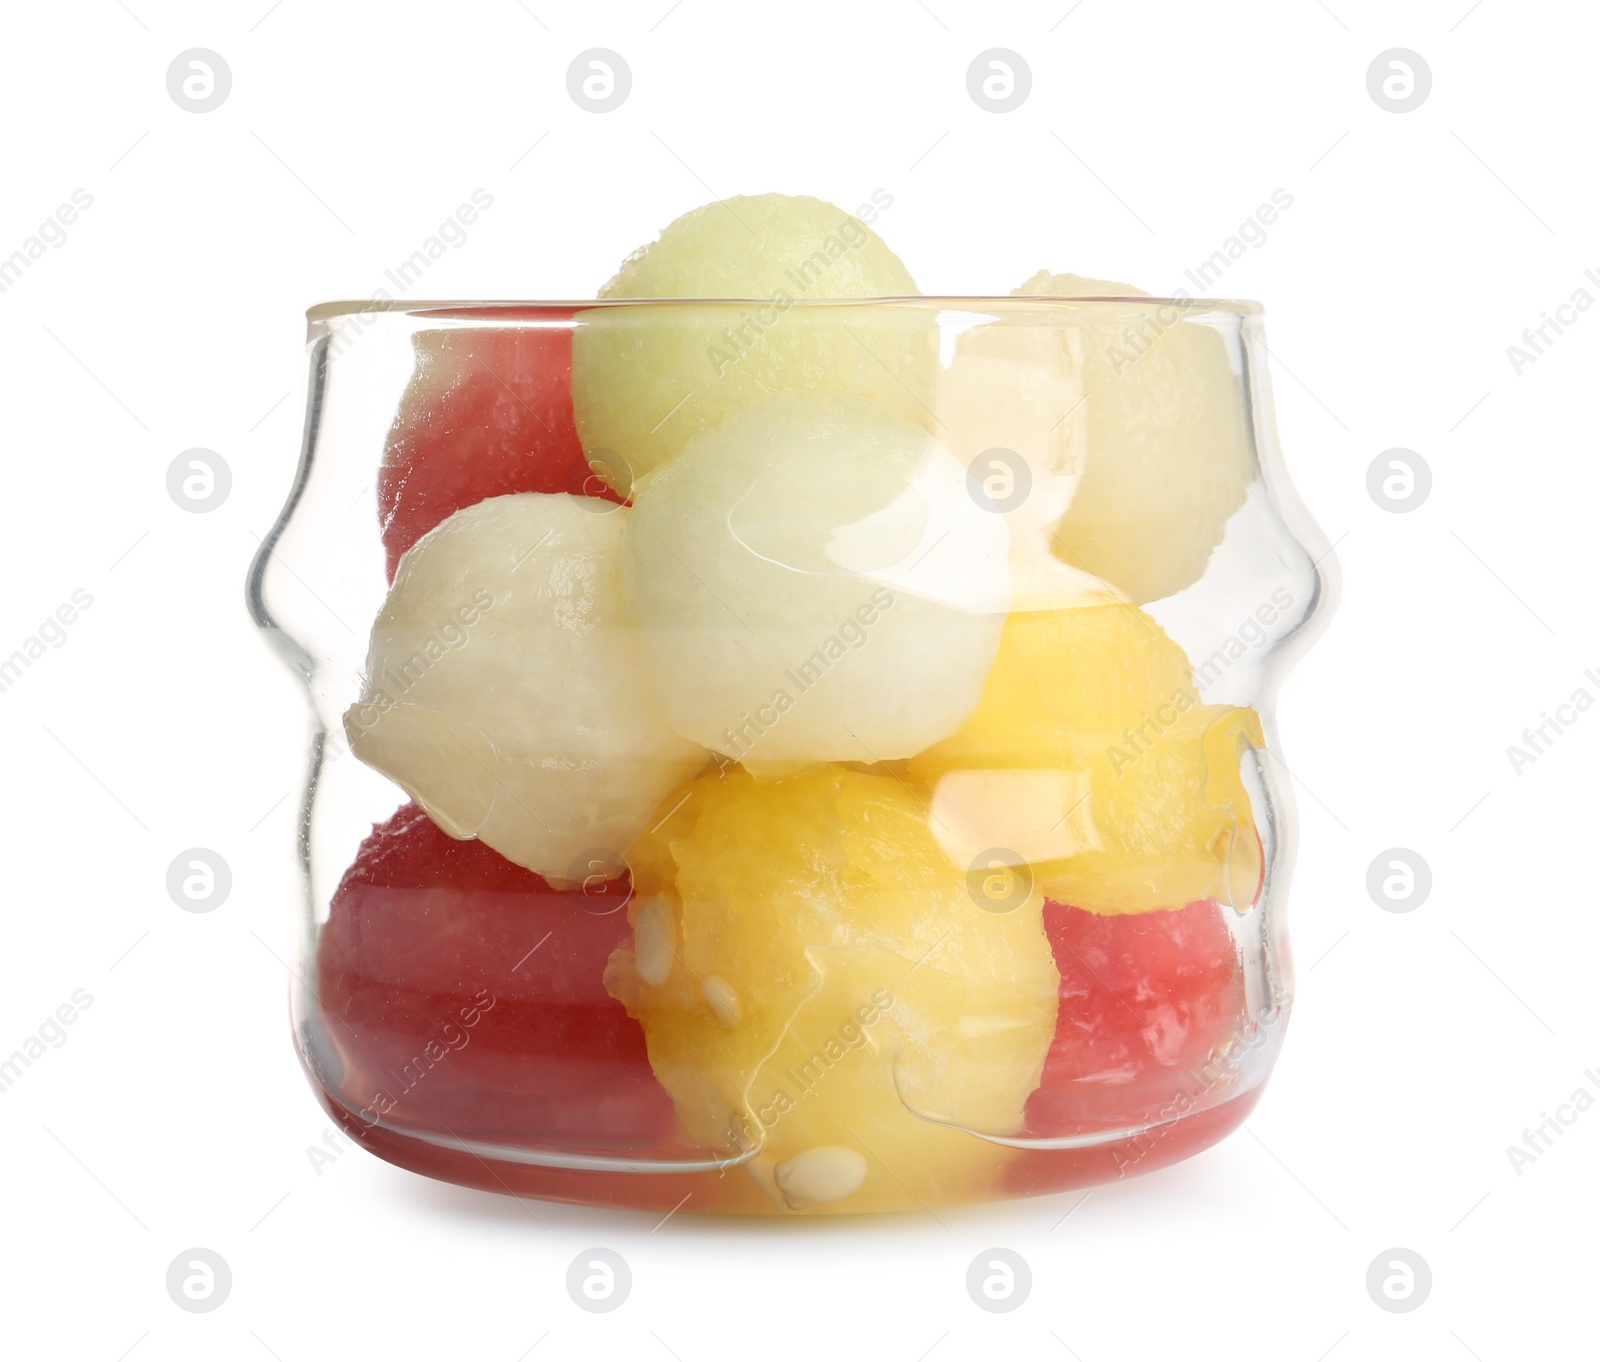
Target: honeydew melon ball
[[645, 380], [813, 583], [503, 689], [1167, 453]]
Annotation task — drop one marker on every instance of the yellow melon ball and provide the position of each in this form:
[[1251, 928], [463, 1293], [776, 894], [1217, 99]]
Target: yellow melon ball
[[504, 691], [645, 380], [821, 991], [1167, 455], [1093, 758]]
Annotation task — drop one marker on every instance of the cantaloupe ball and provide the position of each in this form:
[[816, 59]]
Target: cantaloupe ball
[[645, 380], [1094, 759], [504, 691], [812, 583], [820, 990], [1167, 454]]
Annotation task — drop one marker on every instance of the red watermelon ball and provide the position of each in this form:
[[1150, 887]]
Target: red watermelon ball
[[488, 412], [461, 993], [1146, 1001]]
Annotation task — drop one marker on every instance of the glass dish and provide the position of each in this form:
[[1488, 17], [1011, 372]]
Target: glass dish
[[793, 759]]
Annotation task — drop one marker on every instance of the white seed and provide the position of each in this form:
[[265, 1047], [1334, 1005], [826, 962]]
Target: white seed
[[655, 941], [820, 1176], [721, 998]]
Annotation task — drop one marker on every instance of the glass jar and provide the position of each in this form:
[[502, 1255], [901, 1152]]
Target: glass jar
[[790, 759]]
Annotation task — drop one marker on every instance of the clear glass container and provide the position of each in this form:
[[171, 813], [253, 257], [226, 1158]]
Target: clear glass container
[[792, 759]]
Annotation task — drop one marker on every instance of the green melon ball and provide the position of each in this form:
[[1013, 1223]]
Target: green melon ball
[[646, 380], [812, 582], [1167, 454]]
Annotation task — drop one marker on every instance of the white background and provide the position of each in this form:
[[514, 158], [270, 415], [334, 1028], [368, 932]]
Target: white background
[[1418, 247]]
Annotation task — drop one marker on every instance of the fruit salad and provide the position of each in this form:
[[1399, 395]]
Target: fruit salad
[[802, 801]]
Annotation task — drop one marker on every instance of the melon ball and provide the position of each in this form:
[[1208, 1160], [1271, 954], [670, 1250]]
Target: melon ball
[[504, 692], [1011, 407], [1167, 453], [813, 583], [821, 989], [645, 380], [1094, 759]]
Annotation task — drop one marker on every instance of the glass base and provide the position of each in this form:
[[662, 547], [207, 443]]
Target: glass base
[[706, 1187]]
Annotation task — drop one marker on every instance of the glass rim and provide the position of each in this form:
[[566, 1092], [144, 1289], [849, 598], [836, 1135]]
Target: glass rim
[[485, 309]]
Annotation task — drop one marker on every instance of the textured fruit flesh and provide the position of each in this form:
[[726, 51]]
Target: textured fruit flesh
[[503, 688], [813, 972], [488, 412], [646, 380], [1164, 448], [1148, 1000], [461, 995], [1093, 758]]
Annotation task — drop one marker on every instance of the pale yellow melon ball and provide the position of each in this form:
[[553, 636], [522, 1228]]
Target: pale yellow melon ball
[[503, 687], [1166, 452]]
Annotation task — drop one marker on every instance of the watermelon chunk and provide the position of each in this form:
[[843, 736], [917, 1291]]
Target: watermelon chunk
[[488, 412], [1146, 1001], [462, 994]]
